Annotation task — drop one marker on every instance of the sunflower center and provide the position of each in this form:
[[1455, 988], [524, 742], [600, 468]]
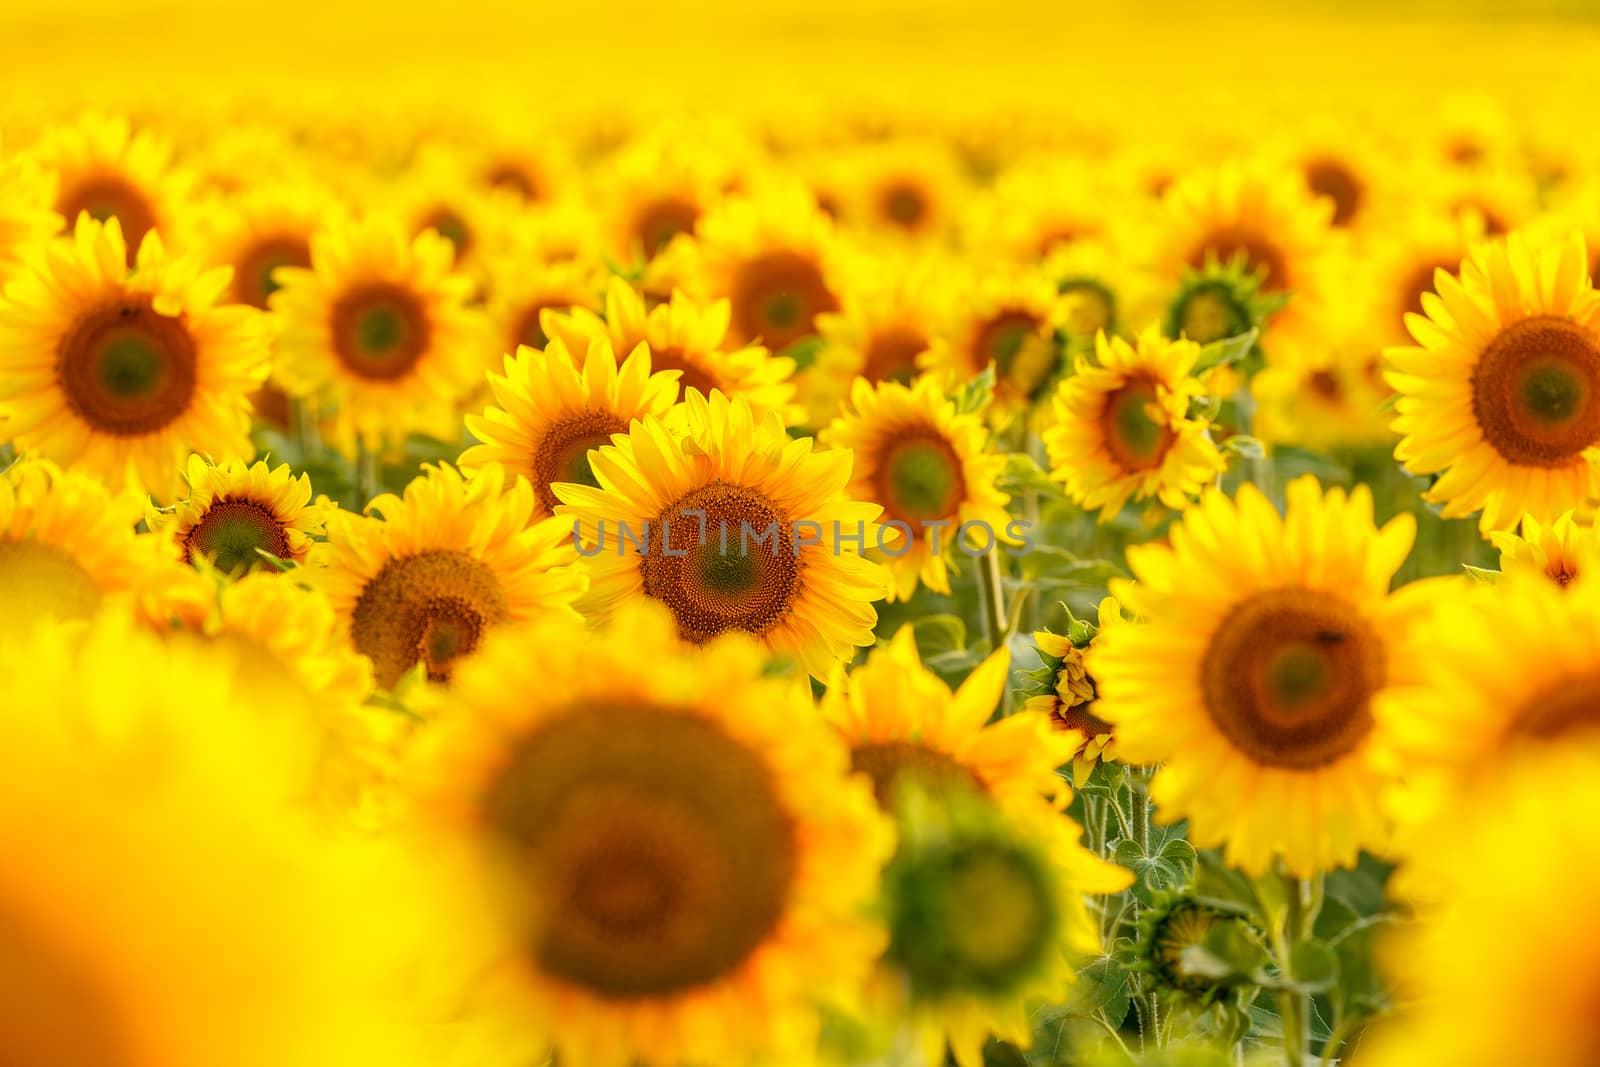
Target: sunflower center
[[54, 1011], [1239, 244], [777, 297], [1208, 312], [1012, 340], [1184, 928], [1135, 429], [234, 532], [904, 204], [1325, 384], [1330, 178], [563, 452], [694, 376], [1080, 717], [659, 854], [380, 331], [891, 763], [106, 197], [450, 225], [919, 476], [253, 277], [512, 178], [891, 354], [430, 608], [1570, 707], [528, 329], [126, 370], [971, 916], [1534, 392], [1289, 678], [661, 220], [39, 580], [1420, 281], [1090, 307], [737, 571]]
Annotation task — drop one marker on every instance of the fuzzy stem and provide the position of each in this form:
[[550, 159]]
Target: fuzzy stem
[[1294, 1007], [995, 618], [367, 484]]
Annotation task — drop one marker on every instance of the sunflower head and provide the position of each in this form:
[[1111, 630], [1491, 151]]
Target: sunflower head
[[1219, 301], [1063, 689], [639, 828], [1563, 551], [238, 517], [1175, 934]]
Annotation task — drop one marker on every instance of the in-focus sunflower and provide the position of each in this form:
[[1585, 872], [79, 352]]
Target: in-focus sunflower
[[1007, 320], [1538, 836], [379, 331], [449, 560], [1563, 551], [1266, 645], [1122, 427], [109, 170], [656, 851], [552, 411], [984, 896], [734, 526], [1070, 694], [773, 256], [67, 545], [928, 466], [232, 513], [124, 374], [1501, 395], [683, 336]]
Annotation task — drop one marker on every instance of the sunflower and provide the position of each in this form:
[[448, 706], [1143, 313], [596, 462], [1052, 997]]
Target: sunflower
[[906, 188], [995, 847], [683, 336], [551, 412], [1544, 966], [654, 191], [1100, 289], [658, 851], [1007, 320], [234, 515], [1501, 395], [773, 545], [123, 374], [1331, 399], [1563, 551], [259, 231], [438, 192], [1069, 699], [378, 328], [449, 560], [67, 545], [885, 324], [112, 779], [26, 217], [1169, 929], [1123, 427], [1042, 206], [928, 466], [773, 256], [104, 168], [519, 299], [1268, 644]]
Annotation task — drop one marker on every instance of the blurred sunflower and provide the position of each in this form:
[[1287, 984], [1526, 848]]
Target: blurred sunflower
[[1006, 319], [928, 466], [773, 256], [657, 852], [1563, 551], [767, 540], [233, 513], [112, 780], [1070, 694], [984, 902], [259, 231], [1333, 399], [522, 292], [379, 329], [438, 192], [1100, 289], [552, 411], [449, 560], [124, 373], [905, 188], [103, 167], [1123, 429], [654, 191], [1501, 395], [1267, 644], [27, 219], [67, 545], [685, 337]]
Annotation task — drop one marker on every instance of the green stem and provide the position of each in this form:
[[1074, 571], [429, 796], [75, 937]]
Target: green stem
[[1294, 1007], [1139, 811], [367, 483], [995, 618], [303, 427]]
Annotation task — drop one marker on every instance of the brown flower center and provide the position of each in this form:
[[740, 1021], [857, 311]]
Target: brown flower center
[[1536, 392], [126, 370], [1256, 250], [659, 221], [106, 196], [658, 852], [453, 227], [694, 375], [429, 608], [234, 532], [904, 203], [1290, 675], [892, 352], [739, 571], [919, 476], [563, 452], [1333, 179], [1570, 707], [777, 297], [380, 331], [1420, 281], [528, 330], [253, 280], [892, 763], [1134, 427]]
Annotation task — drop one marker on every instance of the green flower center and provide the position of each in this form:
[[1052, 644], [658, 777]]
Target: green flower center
[[232, 531]]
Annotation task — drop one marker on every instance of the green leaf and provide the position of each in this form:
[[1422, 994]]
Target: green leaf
[[976, 393], [1226, 351], [937, 634], [1223, 888], [1313, 967], [804, 352], [1482, 574], [1022, 472], [1168, 865], [1246, 446], [997, 1053], [1102, 986]]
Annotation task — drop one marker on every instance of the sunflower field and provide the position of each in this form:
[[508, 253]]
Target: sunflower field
[[771, 535]]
